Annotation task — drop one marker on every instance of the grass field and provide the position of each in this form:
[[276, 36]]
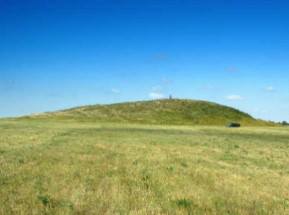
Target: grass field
[[117, 168]]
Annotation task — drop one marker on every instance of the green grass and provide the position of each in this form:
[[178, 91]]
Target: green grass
[[116, 168], [164, 111]]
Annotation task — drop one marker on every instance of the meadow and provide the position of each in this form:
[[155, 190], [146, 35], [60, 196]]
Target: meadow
[[119, 168]]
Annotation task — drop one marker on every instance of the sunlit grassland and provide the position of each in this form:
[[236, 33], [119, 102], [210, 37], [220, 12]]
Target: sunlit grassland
[[116, 168]]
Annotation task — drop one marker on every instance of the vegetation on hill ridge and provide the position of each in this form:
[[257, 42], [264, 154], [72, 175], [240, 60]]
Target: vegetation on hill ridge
[[164, 111]]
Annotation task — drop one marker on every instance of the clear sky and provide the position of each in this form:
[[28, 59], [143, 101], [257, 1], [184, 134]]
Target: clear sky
[[60, 54]]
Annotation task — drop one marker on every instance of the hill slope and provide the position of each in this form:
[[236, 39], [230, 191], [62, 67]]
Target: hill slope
[[164, 111]]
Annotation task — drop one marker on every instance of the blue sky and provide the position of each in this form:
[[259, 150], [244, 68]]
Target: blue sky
[[60, 54]]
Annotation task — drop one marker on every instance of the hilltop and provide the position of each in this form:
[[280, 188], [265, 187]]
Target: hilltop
[[164, 111]]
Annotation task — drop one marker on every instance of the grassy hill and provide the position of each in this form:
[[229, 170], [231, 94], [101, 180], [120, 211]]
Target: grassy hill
[[164, 111], [62, 163]]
